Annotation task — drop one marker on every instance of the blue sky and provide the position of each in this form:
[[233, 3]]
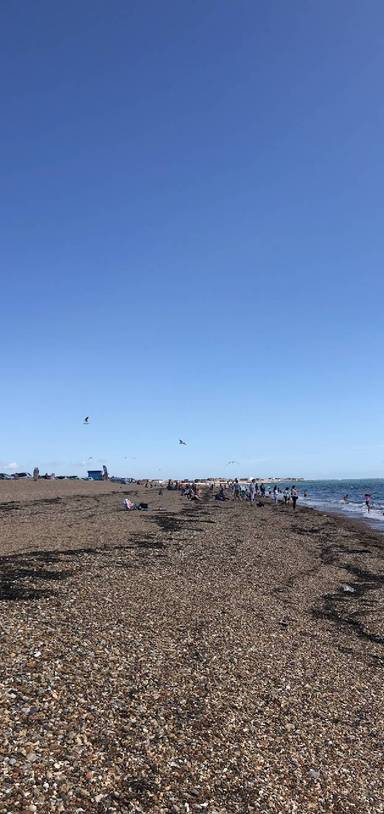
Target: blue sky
[[192, 236]]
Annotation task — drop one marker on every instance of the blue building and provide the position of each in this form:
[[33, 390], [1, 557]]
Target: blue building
[[95, 474]]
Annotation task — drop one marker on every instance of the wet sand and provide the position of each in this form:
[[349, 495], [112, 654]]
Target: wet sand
[[212, 657]]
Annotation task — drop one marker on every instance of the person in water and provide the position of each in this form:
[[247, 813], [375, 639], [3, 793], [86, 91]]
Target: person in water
[[368, 501], [345, 498]]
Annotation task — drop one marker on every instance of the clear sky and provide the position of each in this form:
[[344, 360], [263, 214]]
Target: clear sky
[[192, 236]]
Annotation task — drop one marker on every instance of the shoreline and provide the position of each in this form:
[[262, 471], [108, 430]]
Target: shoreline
[[355, 524], [25, 490], [374, 523], [198, 657]]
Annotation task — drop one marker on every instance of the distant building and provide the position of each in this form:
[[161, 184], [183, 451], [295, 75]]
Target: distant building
[[95, 474]]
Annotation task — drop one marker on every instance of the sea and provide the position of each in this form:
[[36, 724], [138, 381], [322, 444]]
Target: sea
[[329, 495]]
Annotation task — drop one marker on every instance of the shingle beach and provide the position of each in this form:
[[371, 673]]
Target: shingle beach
[[195, 658]]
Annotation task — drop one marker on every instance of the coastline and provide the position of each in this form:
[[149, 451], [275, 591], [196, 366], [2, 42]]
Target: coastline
[[193, 658], [359, 525]]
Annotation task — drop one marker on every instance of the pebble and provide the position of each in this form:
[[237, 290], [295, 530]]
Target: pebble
[[143, 697]]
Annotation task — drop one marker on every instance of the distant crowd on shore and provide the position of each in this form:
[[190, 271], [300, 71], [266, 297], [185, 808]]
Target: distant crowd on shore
[[251, 491], [237, 490], [247, 492]]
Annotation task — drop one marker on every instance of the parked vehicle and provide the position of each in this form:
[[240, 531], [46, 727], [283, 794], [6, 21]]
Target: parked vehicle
[[18, 475]]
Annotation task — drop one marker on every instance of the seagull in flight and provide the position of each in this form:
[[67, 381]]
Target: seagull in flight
[[183, 443], [86, 420], [232, 462]]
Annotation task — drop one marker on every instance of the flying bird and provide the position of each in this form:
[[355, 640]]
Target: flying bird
[[232, 462], [183, 443], [86, 420]]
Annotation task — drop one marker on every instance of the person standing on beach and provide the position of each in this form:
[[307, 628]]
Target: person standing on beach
[[236, 490], [252, 491], [275, 494], [36, 473], [294, 496], [286, 495]]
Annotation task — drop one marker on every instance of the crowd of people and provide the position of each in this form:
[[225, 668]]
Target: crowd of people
[[232, 490], [253, 490], [237, 491]]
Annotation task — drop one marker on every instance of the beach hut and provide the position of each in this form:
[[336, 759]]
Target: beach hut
[[95, 474]]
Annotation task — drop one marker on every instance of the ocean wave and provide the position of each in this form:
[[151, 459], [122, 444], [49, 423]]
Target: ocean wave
[[348, 509]]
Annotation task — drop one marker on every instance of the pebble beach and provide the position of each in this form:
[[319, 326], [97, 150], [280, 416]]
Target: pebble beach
[[210, 657]]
